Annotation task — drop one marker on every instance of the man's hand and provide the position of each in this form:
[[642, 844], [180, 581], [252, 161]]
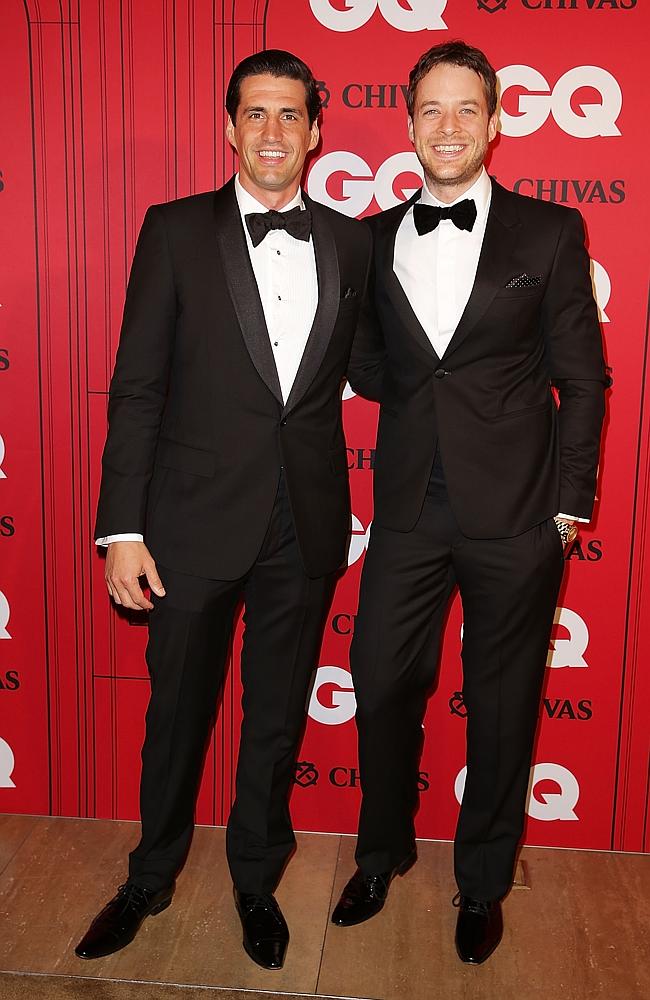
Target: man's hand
[[125, 563]]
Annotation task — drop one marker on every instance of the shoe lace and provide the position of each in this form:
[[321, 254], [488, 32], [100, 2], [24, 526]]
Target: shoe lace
[[262, 901], [130, 893], [470, 905], [377, 885]]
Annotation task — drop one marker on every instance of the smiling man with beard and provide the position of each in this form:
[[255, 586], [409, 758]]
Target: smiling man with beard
[[482, 306]]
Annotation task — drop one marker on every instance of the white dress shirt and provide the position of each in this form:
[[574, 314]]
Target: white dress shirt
[[437, 270], [285, 272]]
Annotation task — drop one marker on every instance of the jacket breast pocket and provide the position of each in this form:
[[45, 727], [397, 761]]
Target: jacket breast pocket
[[348, 307], [520, 293], [184, 458]]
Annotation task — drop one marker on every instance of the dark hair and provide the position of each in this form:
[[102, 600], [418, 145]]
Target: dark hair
[[276, 62], [456, 53]]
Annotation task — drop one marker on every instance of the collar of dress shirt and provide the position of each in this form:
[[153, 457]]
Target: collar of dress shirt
[[480, 191], [249, 204]]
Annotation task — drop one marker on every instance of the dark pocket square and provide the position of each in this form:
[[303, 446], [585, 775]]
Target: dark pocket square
[[525, 281], [349, 293]]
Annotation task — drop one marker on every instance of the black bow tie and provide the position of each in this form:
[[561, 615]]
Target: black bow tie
[[427, 217], [297, 223]]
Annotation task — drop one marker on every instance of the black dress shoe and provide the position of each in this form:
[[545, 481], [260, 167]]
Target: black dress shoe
[[478, 929], [365, 895], [118, 923], [266, 934]]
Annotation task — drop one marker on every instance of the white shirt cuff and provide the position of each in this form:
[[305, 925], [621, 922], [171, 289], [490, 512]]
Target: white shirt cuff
[[572, 517], [107, 539]]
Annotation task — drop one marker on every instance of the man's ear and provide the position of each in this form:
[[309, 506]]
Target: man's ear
[[315, 135], [493, 126], [410, 129], [230, 132]]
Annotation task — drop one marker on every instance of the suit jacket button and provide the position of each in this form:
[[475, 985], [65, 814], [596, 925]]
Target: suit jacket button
[[283, 422], [440, 373]]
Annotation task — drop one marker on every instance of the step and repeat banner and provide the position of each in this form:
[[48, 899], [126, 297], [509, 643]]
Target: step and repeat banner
[[106, 108]]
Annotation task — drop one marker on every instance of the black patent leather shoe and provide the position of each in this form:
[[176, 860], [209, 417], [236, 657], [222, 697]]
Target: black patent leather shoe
[[478, 928], [364, 895], [118, 923], [266, 934]]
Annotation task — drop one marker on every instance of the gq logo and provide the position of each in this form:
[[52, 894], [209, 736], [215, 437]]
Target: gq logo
[[549, 806], [569, 652], [6, 764], [4, 616], [562, 651], [602, 286], [417, 15], [534, 108], [359, 539], [358, 185], [336, 705]]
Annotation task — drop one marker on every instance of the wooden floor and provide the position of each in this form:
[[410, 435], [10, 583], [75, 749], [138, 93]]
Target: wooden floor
[[580, 930]]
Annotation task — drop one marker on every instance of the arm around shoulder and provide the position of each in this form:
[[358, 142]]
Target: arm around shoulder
[[368, 356]]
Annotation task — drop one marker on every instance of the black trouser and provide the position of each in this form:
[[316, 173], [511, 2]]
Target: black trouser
[[189, 636], [509, 589]]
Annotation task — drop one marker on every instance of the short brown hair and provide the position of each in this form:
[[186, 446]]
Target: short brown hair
[[456, 53]]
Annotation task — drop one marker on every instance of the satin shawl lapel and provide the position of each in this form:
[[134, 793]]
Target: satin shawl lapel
[[242, 286], [501, 234], [329, 293], [392, 285]]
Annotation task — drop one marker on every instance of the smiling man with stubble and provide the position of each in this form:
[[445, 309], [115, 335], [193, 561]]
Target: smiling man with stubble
[[482, 308]]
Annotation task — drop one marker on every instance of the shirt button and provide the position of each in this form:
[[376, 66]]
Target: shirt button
[[278, 252], [279, 298], [275, 343]]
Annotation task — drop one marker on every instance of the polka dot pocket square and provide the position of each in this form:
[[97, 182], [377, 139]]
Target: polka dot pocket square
[[525, 281]]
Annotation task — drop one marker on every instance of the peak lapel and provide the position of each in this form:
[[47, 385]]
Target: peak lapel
[[501, 234], [390, 281], [242, 286], [327, 269]]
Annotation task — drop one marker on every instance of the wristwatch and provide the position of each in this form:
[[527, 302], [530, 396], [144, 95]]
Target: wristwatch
[[568, 531]]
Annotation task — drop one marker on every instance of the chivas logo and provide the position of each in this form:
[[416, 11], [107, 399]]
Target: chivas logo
[[306, 773], [457, 706], [491, 5]]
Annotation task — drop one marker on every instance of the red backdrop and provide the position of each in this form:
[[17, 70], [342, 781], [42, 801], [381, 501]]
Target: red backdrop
[[106, 108]]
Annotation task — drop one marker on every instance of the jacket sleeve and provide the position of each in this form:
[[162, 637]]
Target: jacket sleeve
[[574, 348], [368, 357], [138, 387]]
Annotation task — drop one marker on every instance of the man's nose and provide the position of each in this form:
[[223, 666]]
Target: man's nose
[[272, 129], [447, 124]]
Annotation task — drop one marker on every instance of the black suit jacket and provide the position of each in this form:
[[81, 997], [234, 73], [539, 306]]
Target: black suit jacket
[[198, 430], [511, 457]]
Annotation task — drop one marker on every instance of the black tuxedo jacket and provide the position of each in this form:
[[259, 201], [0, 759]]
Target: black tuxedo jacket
[[198, 430], [512, 458]]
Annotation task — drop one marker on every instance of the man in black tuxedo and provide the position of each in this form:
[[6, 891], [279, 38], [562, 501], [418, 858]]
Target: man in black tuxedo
[[482, 305], [225, 480]]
